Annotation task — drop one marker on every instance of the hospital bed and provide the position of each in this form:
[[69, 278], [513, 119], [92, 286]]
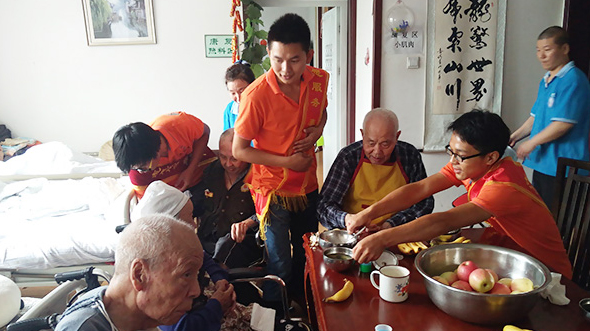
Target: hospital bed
[[58, 212]]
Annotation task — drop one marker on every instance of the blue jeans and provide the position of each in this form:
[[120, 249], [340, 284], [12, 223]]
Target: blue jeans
[[278, 245]]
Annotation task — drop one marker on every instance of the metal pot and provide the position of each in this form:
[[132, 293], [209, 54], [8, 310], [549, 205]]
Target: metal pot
[[338, 238]]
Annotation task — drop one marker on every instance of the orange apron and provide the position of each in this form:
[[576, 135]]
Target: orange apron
[[292, 188], [370, 183]]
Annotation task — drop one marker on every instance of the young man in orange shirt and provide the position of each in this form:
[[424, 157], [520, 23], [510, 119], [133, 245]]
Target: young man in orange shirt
[[498, 192], [173, 149], [283, 113]]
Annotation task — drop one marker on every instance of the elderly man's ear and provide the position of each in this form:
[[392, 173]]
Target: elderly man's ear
[[397, 135], [138, 274]]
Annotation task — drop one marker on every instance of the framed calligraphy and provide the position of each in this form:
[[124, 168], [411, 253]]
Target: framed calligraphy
[[465, 47], [470, 77]]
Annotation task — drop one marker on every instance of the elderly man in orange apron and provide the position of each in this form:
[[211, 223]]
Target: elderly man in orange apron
[[367, 170]]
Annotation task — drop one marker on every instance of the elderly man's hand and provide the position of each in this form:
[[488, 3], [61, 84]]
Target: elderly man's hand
[[225, 294], [238, 230], [354, 222], [313, 133], [369, 249]]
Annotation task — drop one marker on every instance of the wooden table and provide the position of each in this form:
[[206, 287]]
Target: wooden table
[[365, 309]]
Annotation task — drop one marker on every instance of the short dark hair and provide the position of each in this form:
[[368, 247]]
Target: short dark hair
[[483, 130], [239, 71], [135, 143], [290, 29], [559, 35]]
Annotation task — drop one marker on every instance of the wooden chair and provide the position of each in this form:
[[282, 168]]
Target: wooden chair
[[572, 214]]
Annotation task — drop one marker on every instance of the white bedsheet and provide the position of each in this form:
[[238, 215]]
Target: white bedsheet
[[54, 223], [55, 158]]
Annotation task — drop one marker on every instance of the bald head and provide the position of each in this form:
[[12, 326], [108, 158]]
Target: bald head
[[232, 167], [227, 137], [380, 133], [381, 115]]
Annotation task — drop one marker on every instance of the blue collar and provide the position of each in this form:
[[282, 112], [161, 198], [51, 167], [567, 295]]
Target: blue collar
[[569, 66]]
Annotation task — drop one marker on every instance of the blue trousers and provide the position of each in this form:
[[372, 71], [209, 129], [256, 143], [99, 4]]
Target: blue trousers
[[287, 228]]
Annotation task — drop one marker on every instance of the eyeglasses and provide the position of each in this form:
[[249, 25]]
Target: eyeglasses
[[459, 157]]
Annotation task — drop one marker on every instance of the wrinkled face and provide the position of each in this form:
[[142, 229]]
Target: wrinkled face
[[169, 289], [235, 88], [473, 168], [228, 162], [379, 140], [288, 61], [551, 55]]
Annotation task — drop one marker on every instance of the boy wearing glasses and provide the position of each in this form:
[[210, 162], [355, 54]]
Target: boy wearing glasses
[[498, 192]]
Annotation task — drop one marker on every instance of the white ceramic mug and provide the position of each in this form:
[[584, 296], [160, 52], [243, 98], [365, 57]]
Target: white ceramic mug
[[393, 283], [383, 327]]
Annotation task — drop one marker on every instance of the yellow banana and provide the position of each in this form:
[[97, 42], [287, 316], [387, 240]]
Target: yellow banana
[[343, 294], [445, 237], [513, 328], [414, 247], [421, 244], [405, 248], [466, 241], [458, 240]]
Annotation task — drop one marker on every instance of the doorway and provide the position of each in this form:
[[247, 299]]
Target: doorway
[[330, 39]]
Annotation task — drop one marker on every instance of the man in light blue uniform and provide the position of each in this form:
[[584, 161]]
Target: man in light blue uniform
[[559, 124]]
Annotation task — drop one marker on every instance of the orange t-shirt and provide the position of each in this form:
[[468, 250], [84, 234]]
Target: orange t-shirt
[[518, 212], [180, 130], [274, 122]]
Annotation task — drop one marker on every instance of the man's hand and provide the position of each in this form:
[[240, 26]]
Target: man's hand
[[186, 177], [225, 294], [354, 222], [524, 149], [369, 249], [313, 133], [238, 230], [300, 162]]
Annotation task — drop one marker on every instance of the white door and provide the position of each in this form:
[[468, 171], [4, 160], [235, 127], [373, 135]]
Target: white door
[[335, 129]]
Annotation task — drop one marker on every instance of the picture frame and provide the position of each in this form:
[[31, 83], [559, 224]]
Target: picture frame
[[119, 22], [218, 45]]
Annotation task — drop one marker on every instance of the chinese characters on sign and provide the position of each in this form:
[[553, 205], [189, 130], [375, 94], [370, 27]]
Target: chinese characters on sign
[[218, 45], [465, 44], [409, 42]]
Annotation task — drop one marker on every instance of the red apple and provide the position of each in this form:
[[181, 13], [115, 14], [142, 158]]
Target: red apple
[[500, 288], [464, 269], [494, 274], [462, 285], [440, 280], [450, 276], [481, 280]]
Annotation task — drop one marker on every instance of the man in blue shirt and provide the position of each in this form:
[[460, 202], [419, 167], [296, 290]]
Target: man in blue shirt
[[559, 124]]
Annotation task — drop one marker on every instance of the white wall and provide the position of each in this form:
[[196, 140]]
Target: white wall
[[522, 72], [364, 71], [55, 87]]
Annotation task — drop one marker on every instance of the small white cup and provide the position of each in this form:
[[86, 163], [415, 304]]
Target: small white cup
[[383, 327], [393, 283]]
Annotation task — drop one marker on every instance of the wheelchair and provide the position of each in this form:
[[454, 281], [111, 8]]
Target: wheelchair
[[46, 314]]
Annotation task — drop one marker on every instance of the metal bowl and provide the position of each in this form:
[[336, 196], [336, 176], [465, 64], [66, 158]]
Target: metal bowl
[[338, 258], [585, 308], [338, 238], [482, 308]]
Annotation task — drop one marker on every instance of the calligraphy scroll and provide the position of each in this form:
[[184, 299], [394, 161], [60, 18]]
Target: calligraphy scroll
[[465, 47]]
